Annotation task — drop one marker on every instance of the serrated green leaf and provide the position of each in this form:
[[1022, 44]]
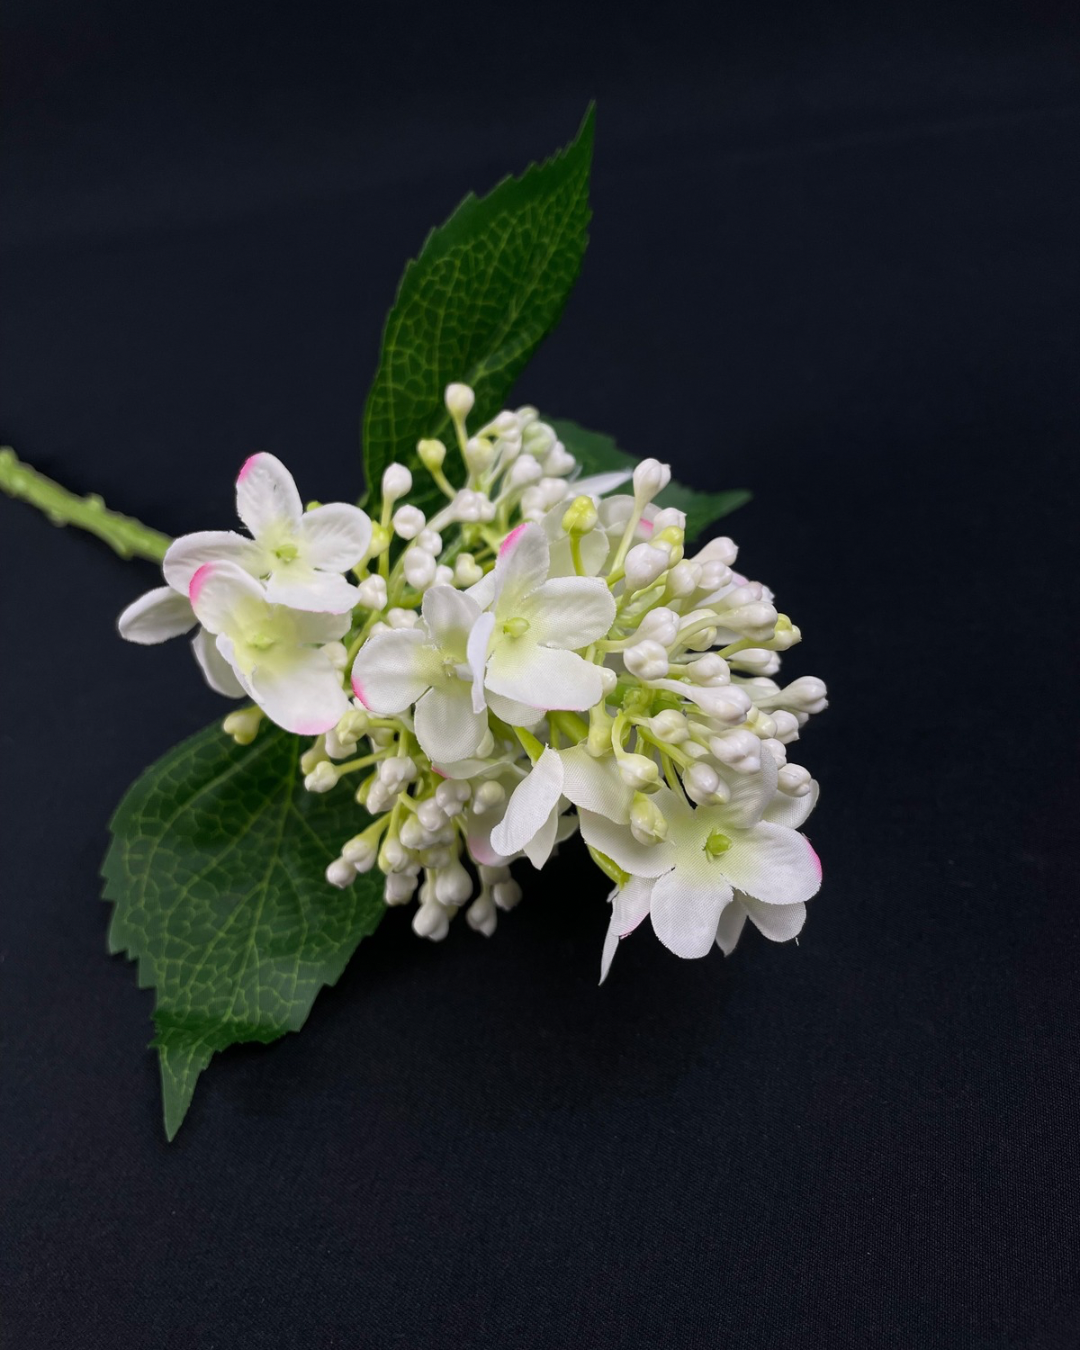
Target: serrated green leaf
[[488, 286], [216, 871], [598, 453]]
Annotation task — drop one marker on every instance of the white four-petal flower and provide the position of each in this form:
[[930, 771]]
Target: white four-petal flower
[[427, 665], [302, 554], [275, 652], [748, 844], [523, 649]]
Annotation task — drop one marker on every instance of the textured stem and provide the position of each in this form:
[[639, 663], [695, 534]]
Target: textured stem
[[128, 537]]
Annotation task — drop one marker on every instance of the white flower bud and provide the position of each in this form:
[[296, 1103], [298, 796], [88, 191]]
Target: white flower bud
[[361, 853], [787, 726], [467, 571], [459, 400], [710, 669], [700, 782], [537, 437], [722, 550], [740, 750], [488, 796], [311, 757], [322, 778], [526, 415], [444, 576], [413, 835], [379, 798], [644, 563], [778, 751], [481, 915], [242, 725], [400, 887], [408, 521], [794, 780], [467, 506], [396, 482], [430, 541], [757, 661], [397, 771], [669, 726], [431, 453], [724, 703], [453, 885], [451, 795], [647, 660], [683, 579], [638, 772], [336, 748], [786, 635], [506, 894], [507, 423], [650, 479], [479, 456], [647, 822], [371, 593], [336, 654], [756, 620], [393, 856], [341, 873], [558, 461], [402, 618], [609, 679], [431, 921], [525, 469], [419, 568], [669, 517], [713, 574], [431, 815], [661, 625]]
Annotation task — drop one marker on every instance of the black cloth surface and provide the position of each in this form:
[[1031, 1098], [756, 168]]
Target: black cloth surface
[[834, 259]]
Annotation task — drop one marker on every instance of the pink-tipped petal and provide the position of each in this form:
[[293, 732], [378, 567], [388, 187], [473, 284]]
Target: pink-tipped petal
[[266, 497]]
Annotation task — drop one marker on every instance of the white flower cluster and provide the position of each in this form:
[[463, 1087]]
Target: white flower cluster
[[536, 657]]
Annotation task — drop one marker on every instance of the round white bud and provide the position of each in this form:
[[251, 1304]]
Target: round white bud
[[794, 780], [650, 479], [419, 568], [243, 725], [431, 921], [430, 541], [638, 772], [669, 726], [683, 579], [408, 521], [371, 593], [722, 550], [400, 887], [506, 894], [661, 625], [459, 400], [467, 571], [700, 782], [488, 796], [740, 750], [341, 873], [725, 703], [396, 482], [647, 822], [322, 778], [453, 885], [402, 618], [647, 660], [644, 563], [481, 915], [710, 669], [525, 469], [558, 461], [787, 726], [608, 679]]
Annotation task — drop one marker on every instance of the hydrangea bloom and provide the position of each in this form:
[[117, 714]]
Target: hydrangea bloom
[[535, 658]]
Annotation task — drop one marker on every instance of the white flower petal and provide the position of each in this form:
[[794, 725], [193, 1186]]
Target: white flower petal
[[158, 615], [511, 712], [266, 497], [317, 627], [300, 691], [732, 922], [186, 555], [217, 672], [543, 678], [538, 849], [476, 651], [302, 587], [446, 726], [222, 591], [521, 567], [616, 841], [629, 907], [751, 793], [450, 617], [597, 484], [779, 923], [772, 863], [595, 784], [533, 801], [685, 909], [483, 592], [335, 536], [393, 669], [792, 811], [569, 612]]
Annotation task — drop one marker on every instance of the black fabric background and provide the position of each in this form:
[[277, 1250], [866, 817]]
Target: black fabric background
[[834, 258]]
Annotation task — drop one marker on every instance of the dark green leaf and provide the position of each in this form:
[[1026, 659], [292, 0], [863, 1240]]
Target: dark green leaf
[[488, 286], [598, 453], [216, 870]]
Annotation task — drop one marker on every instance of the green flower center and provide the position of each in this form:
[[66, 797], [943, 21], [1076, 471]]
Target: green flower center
[[717, 844], [516, 627]]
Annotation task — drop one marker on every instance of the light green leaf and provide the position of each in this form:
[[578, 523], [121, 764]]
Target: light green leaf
[[488, 286], [597, 453], [216, 871]]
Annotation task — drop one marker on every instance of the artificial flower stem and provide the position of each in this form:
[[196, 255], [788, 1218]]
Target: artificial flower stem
[[130, 538]]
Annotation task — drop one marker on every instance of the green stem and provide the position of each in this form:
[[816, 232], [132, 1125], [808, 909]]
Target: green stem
[[130, 538]]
